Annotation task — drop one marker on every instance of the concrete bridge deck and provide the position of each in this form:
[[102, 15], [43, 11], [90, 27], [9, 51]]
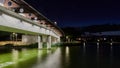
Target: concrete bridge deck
[[34, 27]]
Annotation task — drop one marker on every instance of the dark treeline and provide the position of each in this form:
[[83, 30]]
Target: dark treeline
[[72, 32], [77, 31], [102, 28]]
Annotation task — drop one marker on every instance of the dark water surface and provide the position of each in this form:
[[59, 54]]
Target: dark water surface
[[81, 56]]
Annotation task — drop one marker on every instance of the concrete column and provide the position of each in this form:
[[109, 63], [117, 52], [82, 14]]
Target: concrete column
[[48, 42], [54, 40], [44, 39], [40, 42], [58, 40], [29, 39]]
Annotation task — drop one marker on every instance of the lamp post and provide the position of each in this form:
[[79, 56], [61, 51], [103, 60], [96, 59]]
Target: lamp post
[[14, 37], [67, 39]]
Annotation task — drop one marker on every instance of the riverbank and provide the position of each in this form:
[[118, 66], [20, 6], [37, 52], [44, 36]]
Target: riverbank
[[89, 43]]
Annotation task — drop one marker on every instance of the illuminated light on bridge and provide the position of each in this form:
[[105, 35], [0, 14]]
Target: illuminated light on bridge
[[17, 16]]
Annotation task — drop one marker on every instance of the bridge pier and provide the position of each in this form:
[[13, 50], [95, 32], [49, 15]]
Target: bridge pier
[[48, 42], [54, 40], [40, 43], [21, 20], [29, 39], [44, 39]]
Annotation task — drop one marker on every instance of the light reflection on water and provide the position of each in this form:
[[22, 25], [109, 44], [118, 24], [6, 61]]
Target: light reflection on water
[[111, 54], [67, 54], [84, 49], [39, 55], [98, 45], [49, 51], [24, 56], [51, 61], [83, 56], [15, 57]]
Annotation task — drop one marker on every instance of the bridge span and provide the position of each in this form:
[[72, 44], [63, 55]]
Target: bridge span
[[17, 16]]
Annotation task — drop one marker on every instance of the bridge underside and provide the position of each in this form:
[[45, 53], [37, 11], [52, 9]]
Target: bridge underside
[[30, 33], [31, 30], [9, 29], [25, 38]]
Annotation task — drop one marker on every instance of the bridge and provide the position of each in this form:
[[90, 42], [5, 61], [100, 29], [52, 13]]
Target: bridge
[[18, 17]]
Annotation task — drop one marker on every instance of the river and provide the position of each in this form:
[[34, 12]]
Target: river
[[80, 56]]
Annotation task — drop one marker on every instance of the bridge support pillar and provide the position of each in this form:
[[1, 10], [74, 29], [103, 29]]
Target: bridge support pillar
[[48, 42], [40, 44], [54, 40], [29, 39], [58, 40]]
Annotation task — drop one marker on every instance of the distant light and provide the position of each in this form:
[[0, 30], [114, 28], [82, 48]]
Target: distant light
[[67, 37], [55, 23], [13, 33], [84, 44], [111, 39], [79, 38], [111, 43], [97, 43], [98, 40], [104, 38]]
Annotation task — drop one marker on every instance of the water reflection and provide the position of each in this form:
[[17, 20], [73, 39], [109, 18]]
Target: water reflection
[[39, 57], [111, 54], [98, 45], [24, 52], [84, 56], [67, 54], [97, 55], [49, 51], [84, 49], [5, 60], [84, 43], [51, 61], [111, 43], [15, 57], [111, 50]]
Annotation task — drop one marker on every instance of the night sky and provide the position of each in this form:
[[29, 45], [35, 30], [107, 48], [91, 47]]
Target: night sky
[[77, 13]]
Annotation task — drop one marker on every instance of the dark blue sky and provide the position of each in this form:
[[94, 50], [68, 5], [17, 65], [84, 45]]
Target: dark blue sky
[[79, 12]]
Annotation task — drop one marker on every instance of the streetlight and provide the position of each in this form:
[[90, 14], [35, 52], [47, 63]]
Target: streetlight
[[67, 38], [55, 23], [14, 37]]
